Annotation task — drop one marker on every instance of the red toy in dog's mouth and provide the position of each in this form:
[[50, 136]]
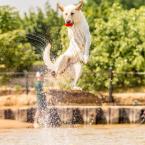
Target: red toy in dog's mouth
[[69, 24]]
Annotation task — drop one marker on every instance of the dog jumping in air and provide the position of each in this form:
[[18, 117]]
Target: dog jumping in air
[[77, 53]]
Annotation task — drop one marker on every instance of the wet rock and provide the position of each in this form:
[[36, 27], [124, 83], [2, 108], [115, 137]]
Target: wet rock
[[56, 116], [137, 112], [124, 115], [31, 114], [100, 116], [9, 114], [77, 117]]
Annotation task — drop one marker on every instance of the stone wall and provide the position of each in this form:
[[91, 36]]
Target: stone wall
[[23, 114], [81, 114]]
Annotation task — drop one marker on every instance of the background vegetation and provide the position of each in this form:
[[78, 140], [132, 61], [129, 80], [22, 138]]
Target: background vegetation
[[118, 40]]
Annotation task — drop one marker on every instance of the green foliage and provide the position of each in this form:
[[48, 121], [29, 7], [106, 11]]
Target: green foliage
[[101, 8], [16, 51], [9, 19], [128, 4], [119, 43], [16, 54], [118, 40]]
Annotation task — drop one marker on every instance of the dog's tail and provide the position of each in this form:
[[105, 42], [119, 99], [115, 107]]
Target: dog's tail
[[46, 58]]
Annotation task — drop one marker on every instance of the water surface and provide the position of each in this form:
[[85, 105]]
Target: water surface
[[103, 135]]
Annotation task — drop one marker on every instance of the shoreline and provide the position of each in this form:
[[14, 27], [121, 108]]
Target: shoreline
[[13, 124]]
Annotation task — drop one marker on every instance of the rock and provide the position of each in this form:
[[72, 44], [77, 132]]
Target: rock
[[77, 116], [74, 97], [9, 114]]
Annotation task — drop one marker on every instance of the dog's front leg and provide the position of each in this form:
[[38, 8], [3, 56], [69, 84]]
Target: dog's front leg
[[76, 51], [87, 47], [77, 68]]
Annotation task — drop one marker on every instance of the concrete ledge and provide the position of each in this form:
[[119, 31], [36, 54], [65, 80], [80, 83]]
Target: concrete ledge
[[81, 114]]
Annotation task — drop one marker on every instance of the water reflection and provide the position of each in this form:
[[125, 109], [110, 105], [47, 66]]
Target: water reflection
[[133, 135]]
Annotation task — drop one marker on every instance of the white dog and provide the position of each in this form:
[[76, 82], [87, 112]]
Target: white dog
[[80, 41]]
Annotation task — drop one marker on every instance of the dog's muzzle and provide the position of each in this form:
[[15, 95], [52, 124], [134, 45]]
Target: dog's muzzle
[[68, 24]]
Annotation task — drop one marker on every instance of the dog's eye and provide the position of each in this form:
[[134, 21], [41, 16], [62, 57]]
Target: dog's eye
[[72, 14], [66, 14]]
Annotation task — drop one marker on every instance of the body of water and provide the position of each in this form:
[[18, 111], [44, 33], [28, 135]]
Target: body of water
[[101, 135]]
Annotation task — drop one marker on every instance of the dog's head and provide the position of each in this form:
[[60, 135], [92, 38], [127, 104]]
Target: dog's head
[[71, 13]]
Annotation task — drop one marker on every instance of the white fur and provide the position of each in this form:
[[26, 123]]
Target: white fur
[[78, 50]]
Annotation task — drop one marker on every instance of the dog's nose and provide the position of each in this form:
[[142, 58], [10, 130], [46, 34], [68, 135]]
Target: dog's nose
[[68, 22]]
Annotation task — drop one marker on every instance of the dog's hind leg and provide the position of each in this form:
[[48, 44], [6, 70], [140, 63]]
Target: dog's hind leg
[[62, 64], [77, 68]]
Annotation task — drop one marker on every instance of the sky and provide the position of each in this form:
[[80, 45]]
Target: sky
[[25, 5]]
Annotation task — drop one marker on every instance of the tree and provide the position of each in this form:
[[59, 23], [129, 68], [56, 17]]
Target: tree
[[9, 19], [117, 43], [16, 54], [128, 4]]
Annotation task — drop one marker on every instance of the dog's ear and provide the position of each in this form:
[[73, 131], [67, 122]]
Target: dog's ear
[[61, 7], [79, 5]]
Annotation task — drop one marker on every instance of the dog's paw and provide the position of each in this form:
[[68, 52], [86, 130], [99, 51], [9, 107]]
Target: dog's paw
[[85, 59]]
